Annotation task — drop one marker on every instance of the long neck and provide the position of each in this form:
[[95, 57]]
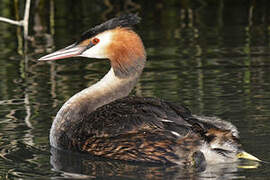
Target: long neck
[[108, 89]]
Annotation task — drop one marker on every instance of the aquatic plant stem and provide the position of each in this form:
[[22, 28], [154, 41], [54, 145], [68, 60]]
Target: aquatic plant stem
[[23, 22]]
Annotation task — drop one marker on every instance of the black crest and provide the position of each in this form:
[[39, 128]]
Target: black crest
[[127, 20]]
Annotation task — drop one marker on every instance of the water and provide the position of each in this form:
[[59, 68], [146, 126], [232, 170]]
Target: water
[[212, 56]]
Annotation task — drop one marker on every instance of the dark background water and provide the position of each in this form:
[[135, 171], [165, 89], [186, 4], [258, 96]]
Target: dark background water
[[212, 56]]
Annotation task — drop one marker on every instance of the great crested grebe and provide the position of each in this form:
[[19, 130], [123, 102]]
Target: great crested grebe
[[103, 121]]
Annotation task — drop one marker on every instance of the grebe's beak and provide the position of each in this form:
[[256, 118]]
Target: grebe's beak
[[245, 155], [70, 51]]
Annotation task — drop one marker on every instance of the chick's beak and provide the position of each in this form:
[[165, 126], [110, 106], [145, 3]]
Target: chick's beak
[[245, 155], [70, 51]]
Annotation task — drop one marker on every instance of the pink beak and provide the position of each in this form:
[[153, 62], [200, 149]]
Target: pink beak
[[70, 51]]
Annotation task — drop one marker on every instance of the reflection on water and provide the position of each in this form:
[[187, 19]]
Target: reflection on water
[[212, 56], [73, 165]]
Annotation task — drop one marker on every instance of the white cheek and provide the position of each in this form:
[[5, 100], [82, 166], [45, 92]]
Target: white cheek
[[99, 50], [96, 51]]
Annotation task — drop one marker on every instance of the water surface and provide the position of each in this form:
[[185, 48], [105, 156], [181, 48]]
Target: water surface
[[213, 57]]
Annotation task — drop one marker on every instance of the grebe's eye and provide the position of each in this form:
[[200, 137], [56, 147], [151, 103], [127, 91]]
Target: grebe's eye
[[95, 41]]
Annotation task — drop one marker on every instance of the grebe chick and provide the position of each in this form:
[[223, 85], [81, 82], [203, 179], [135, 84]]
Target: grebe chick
[[103, 121]]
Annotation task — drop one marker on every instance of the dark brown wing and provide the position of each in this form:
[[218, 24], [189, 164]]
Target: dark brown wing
[[136, 129], [132, 114]]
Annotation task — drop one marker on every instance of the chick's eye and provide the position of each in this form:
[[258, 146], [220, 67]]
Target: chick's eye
[[95, 41]]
